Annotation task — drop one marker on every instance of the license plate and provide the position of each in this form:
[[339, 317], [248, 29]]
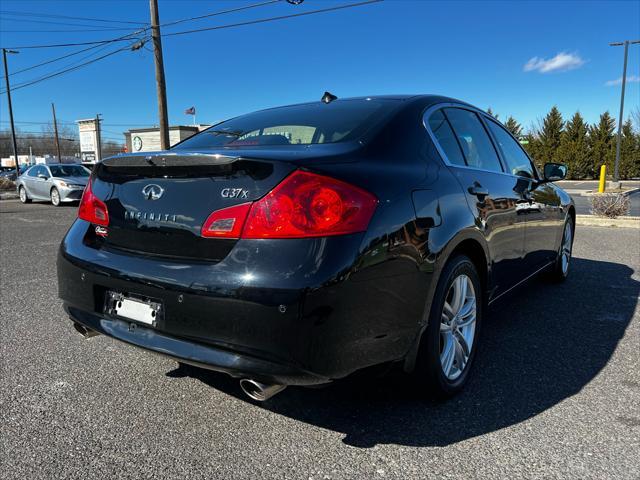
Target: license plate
[[123, 306]]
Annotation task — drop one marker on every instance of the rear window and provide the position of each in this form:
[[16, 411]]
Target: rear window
[[69, 171], [338, 121]]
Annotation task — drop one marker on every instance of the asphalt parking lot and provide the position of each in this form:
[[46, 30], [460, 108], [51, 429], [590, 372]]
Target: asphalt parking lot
[[556, 390]]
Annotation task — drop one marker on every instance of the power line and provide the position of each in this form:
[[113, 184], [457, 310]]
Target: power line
[[45, 15], [272, 19], [222, 12], [52, 75], [99, 27]]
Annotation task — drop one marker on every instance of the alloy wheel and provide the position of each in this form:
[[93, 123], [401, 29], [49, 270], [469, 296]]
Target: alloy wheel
[[457, 327], [23, 195], [567, 242], [55, 197]]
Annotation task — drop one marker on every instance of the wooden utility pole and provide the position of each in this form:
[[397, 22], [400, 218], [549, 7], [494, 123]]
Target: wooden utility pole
[[13, 128], [160, 82], [55, 130]]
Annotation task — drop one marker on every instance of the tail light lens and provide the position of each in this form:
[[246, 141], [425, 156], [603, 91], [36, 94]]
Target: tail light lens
[[303, 205], [92, 209], [226, 223]]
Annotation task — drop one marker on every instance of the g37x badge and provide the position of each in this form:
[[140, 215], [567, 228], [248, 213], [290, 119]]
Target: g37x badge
[[234, 193]]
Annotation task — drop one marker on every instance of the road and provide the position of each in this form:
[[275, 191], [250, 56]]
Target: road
[[555, 392]]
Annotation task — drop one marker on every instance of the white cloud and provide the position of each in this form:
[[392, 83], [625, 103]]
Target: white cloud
[[562, 62], [618, 81]]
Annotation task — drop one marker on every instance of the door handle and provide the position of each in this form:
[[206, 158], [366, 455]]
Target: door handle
[[478, 190]]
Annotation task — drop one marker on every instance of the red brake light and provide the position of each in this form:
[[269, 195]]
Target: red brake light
[[310, 205], [226, 223], [92, 209]]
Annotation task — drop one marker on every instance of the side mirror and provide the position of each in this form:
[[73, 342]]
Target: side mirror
[[43, 176], [554, 171]]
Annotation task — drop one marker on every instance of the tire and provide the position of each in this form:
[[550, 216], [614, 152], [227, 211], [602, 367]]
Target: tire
[[439, 374], [560, 269], [55, 197], [22, 192]]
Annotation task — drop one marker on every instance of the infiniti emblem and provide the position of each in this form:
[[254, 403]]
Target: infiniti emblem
[[152, 191]]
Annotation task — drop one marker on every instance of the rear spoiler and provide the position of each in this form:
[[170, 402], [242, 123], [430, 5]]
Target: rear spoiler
[[166, 159]]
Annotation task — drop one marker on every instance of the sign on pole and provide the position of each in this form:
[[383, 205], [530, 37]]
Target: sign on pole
[[89, 141]]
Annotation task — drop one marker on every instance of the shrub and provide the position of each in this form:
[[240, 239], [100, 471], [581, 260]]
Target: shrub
[[6, 184], [610, 205]]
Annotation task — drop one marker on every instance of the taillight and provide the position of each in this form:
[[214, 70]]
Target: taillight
[[92, 209], [226, 223], [310, 205]]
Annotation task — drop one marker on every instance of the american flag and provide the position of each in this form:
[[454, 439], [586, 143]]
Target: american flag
[[190, 111]]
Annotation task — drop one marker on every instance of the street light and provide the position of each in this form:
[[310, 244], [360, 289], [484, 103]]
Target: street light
[[626, 44], [13, 128]]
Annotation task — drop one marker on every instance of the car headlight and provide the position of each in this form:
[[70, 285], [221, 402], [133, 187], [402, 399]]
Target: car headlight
[[63, 184]]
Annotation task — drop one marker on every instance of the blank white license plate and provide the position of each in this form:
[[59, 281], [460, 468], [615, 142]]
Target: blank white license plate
[[136, 310]]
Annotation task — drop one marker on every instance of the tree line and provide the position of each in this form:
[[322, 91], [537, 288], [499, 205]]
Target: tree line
[[43, 143], [579, 145]]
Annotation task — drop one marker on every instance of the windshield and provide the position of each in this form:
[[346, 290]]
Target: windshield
[[69, 171], [314, 123]]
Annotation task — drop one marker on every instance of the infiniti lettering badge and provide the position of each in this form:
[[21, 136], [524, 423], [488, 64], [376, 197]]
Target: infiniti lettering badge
[[152, 191]]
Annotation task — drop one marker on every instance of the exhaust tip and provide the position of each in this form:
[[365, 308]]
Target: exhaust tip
[[259, 392], [84, 331]]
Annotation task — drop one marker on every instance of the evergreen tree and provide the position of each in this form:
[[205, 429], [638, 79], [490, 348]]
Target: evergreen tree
[[602, 144], [550, 136], [574, 148], [490, 112], [514, 127], [629, 152]]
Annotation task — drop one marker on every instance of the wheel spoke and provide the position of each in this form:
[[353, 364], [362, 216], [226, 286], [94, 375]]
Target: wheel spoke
[[448, 355], [460, 355], [467, 309], [448, 311]]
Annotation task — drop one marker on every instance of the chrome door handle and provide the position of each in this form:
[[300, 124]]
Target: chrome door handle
[[478, 190]]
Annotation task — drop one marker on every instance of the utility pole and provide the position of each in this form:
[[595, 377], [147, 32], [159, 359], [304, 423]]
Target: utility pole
[[13, 128], [626, 44], [160, 81], [98, 139], [55, 130]]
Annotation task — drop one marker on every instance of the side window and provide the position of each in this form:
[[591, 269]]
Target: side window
[[515, 158], [35, 171], [474, 140], [446, 138]]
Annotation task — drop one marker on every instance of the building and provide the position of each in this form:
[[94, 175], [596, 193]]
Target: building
[[148, 139]]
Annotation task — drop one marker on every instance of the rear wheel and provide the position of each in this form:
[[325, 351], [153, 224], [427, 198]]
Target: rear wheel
[[24, 198], [55, 197], [448, 345], [560, 270]]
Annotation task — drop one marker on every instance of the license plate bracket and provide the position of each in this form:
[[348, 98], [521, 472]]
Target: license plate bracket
[[133, 308]]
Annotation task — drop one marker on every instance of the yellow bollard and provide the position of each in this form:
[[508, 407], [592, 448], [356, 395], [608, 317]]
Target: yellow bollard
[[603, 177]]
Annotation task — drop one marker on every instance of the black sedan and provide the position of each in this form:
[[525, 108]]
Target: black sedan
[[297, 245]]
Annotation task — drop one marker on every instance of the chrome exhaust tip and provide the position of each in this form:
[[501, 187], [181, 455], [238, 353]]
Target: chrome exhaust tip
[[84, 331], [259, 392]]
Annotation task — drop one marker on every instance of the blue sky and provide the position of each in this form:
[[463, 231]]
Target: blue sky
[[519, 58]]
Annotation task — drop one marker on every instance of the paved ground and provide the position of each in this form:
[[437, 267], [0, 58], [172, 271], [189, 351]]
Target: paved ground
[[583, 203], [555, 392]]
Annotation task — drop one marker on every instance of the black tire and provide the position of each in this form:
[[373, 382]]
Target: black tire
[[55, 197], [22, 192], [429, 374], [558, 272]]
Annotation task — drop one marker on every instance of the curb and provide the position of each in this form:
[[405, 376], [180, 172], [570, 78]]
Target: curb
[[594, 221], [8, 195], [591, 193]]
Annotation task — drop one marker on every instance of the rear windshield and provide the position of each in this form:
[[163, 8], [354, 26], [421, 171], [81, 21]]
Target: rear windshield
[[69, 171], [338, 121]]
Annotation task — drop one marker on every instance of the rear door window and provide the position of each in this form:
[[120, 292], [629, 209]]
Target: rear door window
[[517, 161], [446, 138], [476, 145]]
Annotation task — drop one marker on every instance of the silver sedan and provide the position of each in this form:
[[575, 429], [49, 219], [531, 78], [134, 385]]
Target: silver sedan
[[58, 183]]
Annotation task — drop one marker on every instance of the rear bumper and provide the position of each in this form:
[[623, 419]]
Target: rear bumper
[[293, 312], [205, 356]]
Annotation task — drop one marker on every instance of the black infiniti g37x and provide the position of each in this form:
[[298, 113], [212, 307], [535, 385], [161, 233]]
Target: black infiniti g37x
[[297, 245]]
